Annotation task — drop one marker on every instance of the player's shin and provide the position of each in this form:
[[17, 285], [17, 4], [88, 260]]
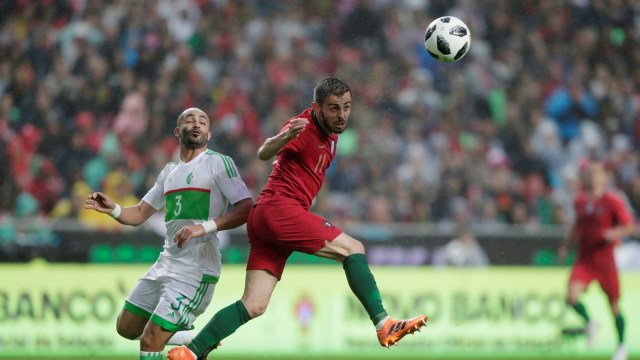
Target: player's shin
[[620, 328], [581, 310], [224, 323], [363, 285]]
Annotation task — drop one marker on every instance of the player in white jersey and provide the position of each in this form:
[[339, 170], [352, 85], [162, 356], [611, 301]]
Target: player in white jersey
[[195, 194]]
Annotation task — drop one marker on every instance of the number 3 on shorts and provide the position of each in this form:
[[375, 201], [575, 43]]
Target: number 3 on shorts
[[179, 300]]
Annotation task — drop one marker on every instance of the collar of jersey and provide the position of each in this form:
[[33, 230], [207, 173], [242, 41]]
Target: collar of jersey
[[186, 163]]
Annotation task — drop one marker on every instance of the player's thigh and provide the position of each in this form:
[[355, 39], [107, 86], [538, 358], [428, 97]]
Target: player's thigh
[[267, 256], [138, 307], [275, 232], [580, 278], [181, 303], [258, 288], [308, 233], [340, 247], [290, 227], [610, 283], [130, 325], [144, 296], [575, 289]]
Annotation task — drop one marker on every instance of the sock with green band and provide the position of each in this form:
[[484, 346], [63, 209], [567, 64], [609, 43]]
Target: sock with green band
[[620, 328], [149, 355], [224, 323], [581, 310], [364, 286]]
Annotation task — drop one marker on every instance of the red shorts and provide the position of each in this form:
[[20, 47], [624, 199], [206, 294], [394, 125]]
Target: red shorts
[[585, 272], [275, 231]]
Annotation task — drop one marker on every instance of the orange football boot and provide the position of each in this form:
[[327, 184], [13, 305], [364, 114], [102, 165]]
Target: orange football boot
[[183, 353], [180, 353], [394, 330]]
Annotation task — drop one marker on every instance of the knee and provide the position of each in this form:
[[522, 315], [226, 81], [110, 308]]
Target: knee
[[150, 342], [256, 311], [146, 341], [126, 332], [128, 329], [571, 300], [355, 247], [255, 308]]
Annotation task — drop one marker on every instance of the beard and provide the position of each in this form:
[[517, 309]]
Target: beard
[[190, 142], [327, 126], [336, 130]]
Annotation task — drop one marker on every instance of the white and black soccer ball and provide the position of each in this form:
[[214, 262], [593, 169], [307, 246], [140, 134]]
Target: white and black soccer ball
[[447, 39]]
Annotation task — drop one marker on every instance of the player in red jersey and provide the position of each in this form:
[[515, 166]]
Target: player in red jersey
[[602, 220], [281, 223]]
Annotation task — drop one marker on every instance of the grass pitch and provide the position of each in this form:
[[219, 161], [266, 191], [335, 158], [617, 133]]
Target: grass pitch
[[355, 357]]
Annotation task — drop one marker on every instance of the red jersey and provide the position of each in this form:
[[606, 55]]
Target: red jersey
[[593, 218], [300, 166]]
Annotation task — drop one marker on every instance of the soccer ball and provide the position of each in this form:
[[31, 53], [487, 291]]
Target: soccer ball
[[447, 39]]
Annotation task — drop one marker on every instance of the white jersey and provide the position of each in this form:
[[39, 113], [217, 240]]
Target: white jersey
[[193, 193]]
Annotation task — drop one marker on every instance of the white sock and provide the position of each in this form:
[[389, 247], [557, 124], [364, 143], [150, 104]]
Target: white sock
[[380, 324], [151, 355], [181, 337]]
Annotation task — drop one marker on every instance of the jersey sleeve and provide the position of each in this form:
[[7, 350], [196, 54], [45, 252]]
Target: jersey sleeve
[[576, 210], [285, 126], [621, 211], [293, 144], [155, 196], [229, 181]]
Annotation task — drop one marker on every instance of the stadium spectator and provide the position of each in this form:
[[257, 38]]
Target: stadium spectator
[[544, 83], [464, 250]]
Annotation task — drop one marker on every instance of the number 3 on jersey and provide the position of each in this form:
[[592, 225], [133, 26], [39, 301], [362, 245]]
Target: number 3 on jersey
[[187, 203], [178, 208]]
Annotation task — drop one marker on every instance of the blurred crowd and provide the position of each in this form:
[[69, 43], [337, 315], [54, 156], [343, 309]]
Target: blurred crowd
[[90, 91]]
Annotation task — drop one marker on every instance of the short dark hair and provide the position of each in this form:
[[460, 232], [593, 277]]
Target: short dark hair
[[329, 86]]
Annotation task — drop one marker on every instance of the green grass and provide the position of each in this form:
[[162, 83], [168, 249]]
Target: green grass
[[355, 357]]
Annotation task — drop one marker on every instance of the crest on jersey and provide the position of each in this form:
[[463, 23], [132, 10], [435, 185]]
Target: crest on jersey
[[589, 208], [327, 224], [191, 178]]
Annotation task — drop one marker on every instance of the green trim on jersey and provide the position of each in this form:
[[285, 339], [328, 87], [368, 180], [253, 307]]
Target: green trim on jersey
[[188, 204], [228, 163], [136, 310], [211, 279]]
